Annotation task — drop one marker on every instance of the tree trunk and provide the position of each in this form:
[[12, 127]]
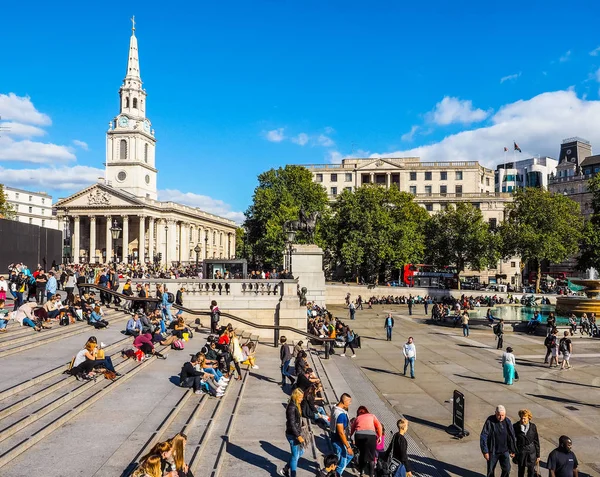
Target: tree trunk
[[458, 280], [538, 278]]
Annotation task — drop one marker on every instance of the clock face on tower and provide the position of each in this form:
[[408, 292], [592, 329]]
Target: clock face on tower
[[123, 121], [147, 125]]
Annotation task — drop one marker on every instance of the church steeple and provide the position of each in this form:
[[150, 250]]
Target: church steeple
[[130, 148]]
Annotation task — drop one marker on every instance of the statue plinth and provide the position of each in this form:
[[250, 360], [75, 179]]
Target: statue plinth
[[307, 267]]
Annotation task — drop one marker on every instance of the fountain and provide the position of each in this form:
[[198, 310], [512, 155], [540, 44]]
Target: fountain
[[565, 305]]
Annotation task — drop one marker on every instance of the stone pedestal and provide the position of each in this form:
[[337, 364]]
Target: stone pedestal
[[307, 267]]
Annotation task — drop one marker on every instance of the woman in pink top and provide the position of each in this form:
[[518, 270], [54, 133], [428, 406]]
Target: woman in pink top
[[144, 343], [367, 431]]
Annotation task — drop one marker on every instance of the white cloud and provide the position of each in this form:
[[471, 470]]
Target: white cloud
[[565, 57], [334, 157], [407, 137], [20, 129], [510, 77], [538, 125], [81, 144], [32, 151], [597, 75], [275, 135], [51, 178], [453, 110], [595, 51], [324, 141], [21, 109], [301, 139], [208, 204], [329, 130]]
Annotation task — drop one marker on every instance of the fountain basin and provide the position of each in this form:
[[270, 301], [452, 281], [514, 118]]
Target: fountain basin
[[565, 305]]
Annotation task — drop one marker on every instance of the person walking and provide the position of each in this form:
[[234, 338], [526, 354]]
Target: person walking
[[497, 442], [410, 304], [398, 449], [389, 325], [215, 316], [499, 332], [285, 356], [562, 461], [352, 309], [508, 366], [349, 342], [410, 354], [566, 348], [550, 343], [367, 432], [528, 444], [339, 422], [293, 433], [465, 323]]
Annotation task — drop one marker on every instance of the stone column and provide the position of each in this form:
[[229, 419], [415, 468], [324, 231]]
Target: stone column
[[142, 240], [172, 243], [109, 241], [92, 239], [371, 178], [184, 243], [160, 239], [125, 238], [151, 245], [388, 179], [229, 245], [76, 237]]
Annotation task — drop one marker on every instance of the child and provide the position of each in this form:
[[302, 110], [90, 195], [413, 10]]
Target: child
[[329, 464], [380, 444]]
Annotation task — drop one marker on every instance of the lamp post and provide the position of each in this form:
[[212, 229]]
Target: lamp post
[[197, 250], [516, 281], [116, 233], [206, 245], [166, 244], [290, 237]]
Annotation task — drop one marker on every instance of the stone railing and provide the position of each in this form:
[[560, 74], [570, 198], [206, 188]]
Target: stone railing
[[235, 288]]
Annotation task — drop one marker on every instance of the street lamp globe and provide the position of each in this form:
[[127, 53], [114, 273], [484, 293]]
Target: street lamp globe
[[197, 249], [115, 231], [290, 235]]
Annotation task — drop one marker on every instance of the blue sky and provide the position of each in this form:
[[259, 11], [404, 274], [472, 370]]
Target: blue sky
[[235, 88]]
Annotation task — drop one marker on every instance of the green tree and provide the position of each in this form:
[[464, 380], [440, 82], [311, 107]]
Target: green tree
[[6, 209], [589, 246], [539, 226], [240, 243], [459, 237], [279, 196], [373, 230]]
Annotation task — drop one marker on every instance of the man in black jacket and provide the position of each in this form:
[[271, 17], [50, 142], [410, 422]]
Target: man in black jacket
[[497, 442]]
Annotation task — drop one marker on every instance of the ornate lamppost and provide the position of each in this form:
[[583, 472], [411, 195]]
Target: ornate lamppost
[[205, 245], [166, 245], [197, 250], [289, 242], [116, 233]]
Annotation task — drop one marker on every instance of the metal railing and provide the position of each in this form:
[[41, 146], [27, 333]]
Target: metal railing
[[276, 328]]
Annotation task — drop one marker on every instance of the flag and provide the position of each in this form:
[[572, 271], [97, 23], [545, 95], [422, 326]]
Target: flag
[[506, 149], [517, 148]]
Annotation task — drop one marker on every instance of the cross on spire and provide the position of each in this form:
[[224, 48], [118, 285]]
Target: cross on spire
[[132, 23]]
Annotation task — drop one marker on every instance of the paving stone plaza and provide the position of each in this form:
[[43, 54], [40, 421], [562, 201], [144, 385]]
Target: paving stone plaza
[[50, 424]]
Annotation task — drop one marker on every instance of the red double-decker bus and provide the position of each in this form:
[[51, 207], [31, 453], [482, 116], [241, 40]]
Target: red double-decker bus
[[421, 275]]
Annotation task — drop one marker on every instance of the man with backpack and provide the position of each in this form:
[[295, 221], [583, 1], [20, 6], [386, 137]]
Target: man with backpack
[[549, 343], [565, 347], [167, 300], [499, 332]]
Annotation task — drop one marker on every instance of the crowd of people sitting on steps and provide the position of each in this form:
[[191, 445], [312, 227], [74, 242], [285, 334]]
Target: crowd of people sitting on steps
[[357, 441], [165, 459]]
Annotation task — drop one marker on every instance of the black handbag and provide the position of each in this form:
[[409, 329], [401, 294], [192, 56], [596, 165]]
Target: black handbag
[[516, 375], [392, 464]]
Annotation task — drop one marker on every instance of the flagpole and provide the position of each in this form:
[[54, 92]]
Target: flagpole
[[505, 175]]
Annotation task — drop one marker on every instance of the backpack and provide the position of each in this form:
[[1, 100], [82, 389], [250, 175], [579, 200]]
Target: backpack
[[548, 341], [177, 344], [496, 329], [563, 348], [170, 297], [64, 319]]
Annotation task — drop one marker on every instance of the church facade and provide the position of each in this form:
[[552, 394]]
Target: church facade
[[126, 199]]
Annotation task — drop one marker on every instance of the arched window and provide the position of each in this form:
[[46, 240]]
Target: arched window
[[126, 102], [214, 238], [146, 152], [134, 103], [221, 239], [123, 149]]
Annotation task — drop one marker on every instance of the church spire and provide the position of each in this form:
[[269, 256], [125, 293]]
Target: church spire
[[133, 63]]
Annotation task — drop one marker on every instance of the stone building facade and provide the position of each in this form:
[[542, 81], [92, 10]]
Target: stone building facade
[[33, 208], [126, 199]]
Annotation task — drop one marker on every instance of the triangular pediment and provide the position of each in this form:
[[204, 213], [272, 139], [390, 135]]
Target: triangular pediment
[[379, 164], [100, 196]]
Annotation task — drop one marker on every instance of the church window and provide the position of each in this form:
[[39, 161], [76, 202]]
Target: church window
[[126, 102], [121, 176], [134, 103], [147, 179], [214, 238], [146, 152], [123, 149]]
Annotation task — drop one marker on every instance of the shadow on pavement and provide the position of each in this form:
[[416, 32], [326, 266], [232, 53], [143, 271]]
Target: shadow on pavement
[[425, 422], [372, 338], [569, 382], [423, 466], [478, 379], [377, 370], [563, 400], [472, 346], [264, 378]]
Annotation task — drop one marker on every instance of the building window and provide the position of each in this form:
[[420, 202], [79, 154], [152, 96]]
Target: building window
[[428, 190], [333, 178], [493, 223], [429, 207], [459, 175], [30, 198], [319, 178], [487, 181], [513, 264], [413, 176], [43, 200], [427, 176], [348, 177], [146, 152], [458, 190], [443, 189], [123, 149], [43, 223], [134, 103], [30, 220], [477, 205], [413, 190], [42, 210], [214, 238], [349, 189], [30, 210], [333, 191], [16, 195], [443, 176], [126, 102], [366, 179]]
